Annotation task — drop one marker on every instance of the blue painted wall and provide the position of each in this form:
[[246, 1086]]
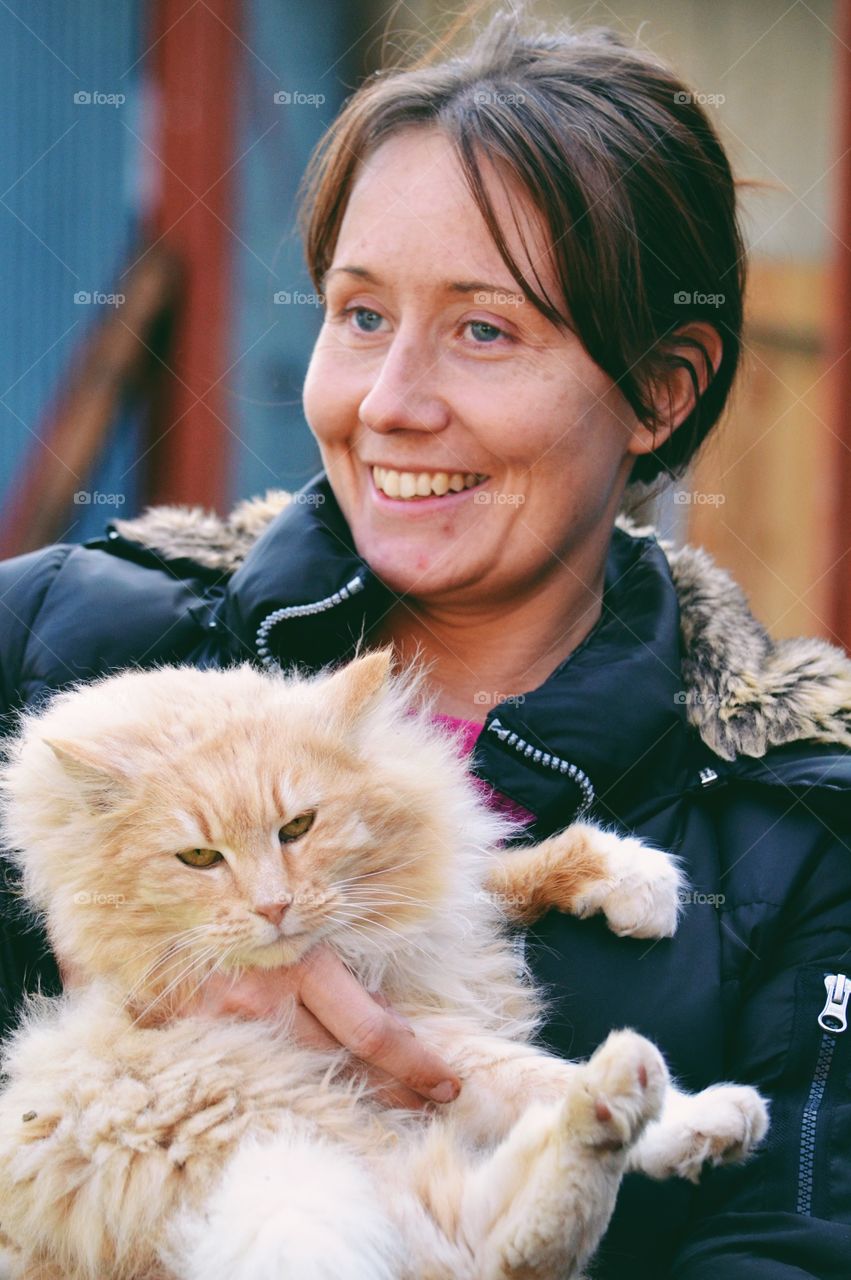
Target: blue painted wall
[[302, 55], [68, 208], [71, 194]]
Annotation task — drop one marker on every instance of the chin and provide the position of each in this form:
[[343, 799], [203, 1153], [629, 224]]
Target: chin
[[412, 569], [279, 954]]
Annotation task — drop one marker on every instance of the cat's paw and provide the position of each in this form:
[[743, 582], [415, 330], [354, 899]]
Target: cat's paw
[[623, 1088], [641, 892], [722, 1125]]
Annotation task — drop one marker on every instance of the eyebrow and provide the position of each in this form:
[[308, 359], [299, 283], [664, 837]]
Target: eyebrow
[[451, 286]]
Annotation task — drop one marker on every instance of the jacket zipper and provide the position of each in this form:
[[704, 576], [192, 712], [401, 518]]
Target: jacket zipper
[[548, 760], [301, 611], [833, 1020]]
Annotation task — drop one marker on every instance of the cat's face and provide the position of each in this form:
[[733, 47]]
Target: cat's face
[[234, 819]]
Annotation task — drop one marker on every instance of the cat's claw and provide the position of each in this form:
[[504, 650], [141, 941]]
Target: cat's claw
[[642, 893], [624, 1088], [722, 1125]]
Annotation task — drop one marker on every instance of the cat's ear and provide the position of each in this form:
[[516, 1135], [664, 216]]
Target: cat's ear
[[95, 769], [357, 685]]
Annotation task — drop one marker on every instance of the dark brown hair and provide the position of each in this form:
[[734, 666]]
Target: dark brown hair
[[624, 165]]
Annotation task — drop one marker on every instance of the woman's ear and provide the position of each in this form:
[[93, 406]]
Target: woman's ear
[[673, 394]]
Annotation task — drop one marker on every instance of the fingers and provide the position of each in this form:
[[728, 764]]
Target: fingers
[[309, 1031], [331, 1009], [370, 1032], [256, 993], [390, 1093]]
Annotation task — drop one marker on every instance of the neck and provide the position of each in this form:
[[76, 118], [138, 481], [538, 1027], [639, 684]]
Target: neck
[[480, 653]]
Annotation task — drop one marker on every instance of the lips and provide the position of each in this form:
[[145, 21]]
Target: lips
[[410, 485]]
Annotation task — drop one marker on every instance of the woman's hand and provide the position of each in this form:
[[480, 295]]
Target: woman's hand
[[332, 1010]]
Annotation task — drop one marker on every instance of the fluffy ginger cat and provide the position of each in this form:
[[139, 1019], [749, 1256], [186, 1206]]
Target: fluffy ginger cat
[[178, 822]]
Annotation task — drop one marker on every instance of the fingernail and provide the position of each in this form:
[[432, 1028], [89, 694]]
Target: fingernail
[[446, 1091]]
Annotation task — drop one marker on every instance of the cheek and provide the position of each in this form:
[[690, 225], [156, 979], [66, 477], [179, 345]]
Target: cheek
[[331, 393], [182, 901], [580, 438]]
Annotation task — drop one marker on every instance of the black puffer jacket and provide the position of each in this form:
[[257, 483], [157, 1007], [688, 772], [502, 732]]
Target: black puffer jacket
[[677, 718]]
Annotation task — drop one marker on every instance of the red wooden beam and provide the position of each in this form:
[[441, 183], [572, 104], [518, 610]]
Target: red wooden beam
[[840, 335], [195, 61]]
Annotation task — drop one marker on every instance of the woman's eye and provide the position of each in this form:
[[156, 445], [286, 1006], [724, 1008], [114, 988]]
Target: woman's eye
[[484, 332], [296, 826], [200, 857], [365, 320]]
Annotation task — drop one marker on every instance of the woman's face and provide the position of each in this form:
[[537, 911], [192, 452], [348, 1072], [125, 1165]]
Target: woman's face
[[474, 448]]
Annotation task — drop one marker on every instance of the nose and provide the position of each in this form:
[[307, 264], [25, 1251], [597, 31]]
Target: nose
[[272, 911], [402, 395]]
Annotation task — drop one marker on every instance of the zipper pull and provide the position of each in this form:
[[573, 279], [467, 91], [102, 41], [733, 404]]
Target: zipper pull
[[833, 1015]]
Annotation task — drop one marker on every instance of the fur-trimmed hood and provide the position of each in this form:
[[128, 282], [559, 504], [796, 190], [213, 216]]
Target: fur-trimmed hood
[[744, 692]]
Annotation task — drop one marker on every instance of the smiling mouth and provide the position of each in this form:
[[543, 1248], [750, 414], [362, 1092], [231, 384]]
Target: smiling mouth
[[423, 484]]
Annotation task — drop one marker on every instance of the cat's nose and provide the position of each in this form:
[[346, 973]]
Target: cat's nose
[[272, 911]]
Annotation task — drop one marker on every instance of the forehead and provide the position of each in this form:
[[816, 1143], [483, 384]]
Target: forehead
[[411, 210]]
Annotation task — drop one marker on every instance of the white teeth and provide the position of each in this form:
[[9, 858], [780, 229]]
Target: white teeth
[[423, 484]]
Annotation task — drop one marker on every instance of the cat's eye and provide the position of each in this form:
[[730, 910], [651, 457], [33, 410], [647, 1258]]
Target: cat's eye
[[296, 826], [200, 857]]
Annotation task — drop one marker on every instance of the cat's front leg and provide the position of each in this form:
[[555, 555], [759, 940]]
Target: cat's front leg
[[500, 1077], [585, 870], [538, 1206], [723, 1124]]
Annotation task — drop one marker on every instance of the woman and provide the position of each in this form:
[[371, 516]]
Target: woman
[[504, 240]]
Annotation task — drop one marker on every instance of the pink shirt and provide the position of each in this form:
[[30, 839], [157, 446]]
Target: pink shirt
[[467, 733]]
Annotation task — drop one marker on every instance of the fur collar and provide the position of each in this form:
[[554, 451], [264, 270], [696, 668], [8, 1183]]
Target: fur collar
[[744, 692]]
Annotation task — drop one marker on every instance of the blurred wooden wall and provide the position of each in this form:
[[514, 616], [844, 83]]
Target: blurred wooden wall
[[763, 491]]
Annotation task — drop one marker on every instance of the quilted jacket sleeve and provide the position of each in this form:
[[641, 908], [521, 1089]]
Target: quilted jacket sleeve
[[24, 584], [787, 1214], [25, 957]]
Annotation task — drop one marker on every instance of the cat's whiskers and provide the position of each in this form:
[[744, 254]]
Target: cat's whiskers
[[166, 945], [215, 968], [370, 896], [379, 871], [385, 898], [196, 962], [170, 952], [396, 933], [376, 888]]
